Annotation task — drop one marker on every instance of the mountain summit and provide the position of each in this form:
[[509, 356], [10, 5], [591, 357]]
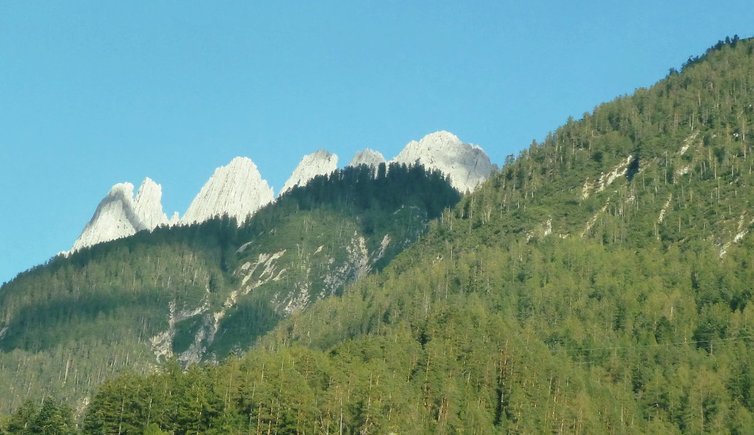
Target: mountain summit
[[466, 165], [120, 215], [367, 157], [236, 189], [317, 163]]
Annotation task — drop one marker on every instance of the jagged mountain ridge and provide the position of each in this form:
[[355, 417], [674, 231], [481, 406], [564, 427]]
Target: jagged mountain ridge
[[238, 189]]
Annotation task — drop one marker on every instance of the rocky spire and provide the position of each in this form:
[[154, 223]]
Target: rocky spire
[[317, 163], [119, 215], [236, 189], [148, 204]]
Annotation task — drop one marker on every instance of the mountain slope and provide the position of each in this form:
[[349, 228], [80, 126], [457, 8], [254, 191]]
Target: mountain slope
[[199, 292], [308, 246], [600, 283]]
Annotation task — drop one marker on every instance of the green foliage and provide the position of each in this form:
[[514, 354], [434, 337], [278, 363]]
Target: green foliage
[[600, 283], [578, 290], [20, 421], [51, 418]]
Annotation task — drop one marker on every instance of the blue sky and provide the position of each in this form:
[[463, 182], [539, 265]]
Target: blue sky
[[98, 92]]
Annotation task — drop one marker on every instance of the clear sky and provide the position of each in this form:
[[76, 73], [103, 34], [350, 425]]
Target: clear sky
[[98, 92]]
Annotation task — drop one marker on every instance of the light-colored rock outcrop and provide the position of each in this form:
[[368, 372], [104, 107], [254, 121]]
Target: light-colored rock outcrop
[[367, 157], [148, 205], [466, 165], [236, 189], [317, 163], [119, 215]]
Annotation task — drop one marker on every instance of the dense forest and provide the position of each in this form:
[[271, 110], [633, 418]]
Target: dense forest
[[600, 282]]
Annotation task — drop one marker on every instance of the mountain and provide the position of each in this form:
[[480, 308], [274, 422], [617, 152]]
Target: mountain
[[466, 165], [119, 215], [204, 291], [367, 157], [600, 282], [236, 190], [318, 163]]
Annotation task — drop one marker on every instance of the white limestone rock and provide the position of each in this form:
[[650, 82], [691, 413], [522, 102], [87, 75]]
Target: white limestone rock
[[317, 163], [367, 157], [467, 165], [148, 205], [118, 215], [236, 189]]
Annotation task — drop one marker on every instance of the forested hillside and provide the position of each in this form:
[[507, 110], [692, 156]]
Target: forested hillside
[[599, 283], [200, 292]]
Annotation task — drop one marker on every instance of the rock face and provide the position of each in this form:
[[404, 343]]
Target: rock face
[[148, 205], [318, 163], [120, 215], [368, 157], [237, 190], [467, 165]]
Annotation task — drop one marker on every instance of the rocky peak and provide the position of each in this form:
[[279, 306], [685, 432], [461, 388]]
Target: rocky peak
[[148, 204], [367, 157], [120, 215], [317, 163], [467, 165], [236, 189]]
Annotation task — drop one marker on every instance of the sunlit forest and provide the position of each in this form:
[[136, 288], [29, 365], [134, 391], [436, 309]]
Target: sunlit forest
[[599, 282]]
